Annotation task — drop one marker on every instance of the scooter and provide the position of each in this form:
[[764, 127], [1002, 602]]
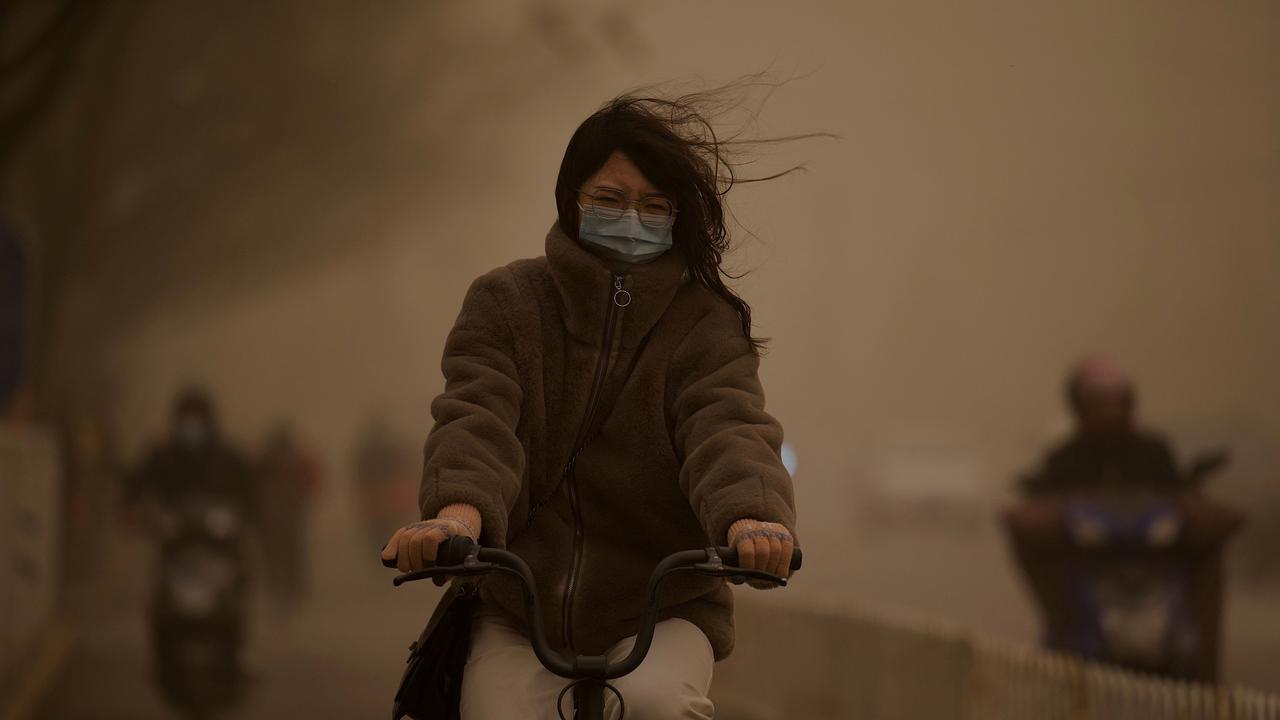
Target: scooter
[[589, 675], [1130, 577], [198, 607]]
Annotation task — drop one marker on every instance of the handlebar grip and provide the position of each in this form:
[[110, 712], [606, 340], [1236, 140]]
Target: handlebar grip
[[730, 557], [452, 551]]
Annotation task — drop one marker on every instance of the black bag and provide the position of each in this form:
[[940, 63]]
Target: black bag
[[431, 688]]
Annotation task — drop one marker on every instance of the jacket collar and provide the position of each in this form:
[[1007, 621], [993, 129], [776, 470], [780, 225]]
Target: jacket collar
[[585, 283]]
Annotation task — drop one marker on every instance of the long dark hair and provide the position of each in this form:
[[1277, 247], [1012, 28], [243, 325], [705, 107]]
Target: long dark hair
[[672, 141]]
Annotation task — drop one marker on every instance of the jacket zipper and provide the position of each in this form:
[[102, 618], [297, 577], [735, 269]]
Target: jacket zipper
[[618, 299]]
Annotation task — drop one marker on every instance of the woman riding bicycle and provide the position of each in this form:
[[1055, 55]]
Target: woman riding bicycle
[[602, 409]]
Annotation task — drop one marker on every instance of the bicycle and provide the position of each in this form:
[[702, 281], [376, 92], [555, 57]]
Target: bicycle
[[459, 556]]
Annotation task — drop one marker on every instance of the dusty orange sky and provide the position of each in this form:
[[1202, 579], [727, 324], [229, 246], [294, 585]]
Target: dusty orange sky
[[292, 215]]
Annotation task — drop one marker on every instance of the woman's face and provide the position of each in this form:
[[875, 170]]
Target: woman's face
[[620, 174]]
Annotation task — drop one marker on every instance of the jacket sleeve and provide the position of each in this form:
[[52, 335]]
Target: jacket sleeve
[[729, 447], [472, 454]]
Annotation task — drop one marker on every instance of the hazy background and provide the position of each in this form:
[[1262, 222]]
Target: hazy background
[[287, 201]]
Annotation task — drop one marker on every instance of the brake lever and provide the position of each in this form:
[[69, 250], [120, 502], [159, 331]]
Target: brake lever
[[737, 575], [440, 572]]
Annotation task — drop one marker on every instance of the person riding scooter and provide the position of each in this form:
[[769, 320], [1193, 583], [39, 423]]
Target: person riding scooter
[[197, 496], [1120, 548]]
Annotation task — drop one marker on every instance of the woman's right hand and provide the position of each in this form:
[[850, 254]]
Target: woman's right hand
[[414, 546]]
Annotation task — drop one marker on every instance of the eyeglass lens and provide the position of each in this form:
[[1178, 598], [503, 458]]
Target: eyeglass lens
[[610, 204]]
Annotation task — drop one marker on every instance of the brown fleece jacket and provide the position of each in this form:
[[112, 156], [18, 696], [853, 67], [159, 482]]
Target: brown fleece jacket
[[676, 448]]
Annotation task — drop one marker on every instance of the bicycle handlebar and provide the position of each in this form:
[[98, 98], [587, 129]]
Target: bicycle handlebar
[[459, 556]]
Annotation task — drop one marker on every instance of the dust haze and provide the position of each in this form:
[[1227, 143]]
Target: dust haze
[[286, 203]]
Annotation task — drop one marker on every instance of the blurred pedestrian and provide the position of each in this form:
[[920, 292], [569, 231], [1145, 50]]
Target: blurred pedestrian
[[89, 475], [289, 479], [386, 469]]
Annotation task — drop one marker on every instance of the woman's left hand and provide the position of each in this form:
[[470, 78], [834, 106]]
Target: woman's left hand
[[762, 546]]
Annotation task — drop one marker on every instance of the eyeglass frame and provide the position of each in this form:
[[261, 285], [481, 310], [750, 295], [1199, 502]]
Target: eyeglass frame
[[668, 221]]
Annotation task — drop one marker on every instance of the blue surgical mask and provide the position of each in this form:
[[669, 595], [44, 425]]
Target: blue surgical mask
[[624, 238]]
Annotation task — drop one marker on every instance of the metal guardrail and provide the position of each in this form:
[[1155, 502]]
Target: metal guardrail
[[1006, 681], [793, 662]]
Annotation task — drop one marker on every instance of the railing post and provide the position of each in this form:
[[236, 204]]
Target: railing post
[[1222, 703], [1079, 690]]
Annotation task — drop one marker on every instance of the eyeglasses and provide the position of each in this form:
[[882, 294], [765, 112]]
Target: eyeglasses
[[654, 210]]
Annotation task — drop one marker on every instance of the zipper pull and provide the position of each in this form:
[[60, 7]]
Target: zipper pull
[[621, 297]]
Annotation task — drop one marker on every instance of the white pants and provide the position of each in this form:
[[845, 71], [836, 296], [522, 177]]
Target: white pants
[[503, 679]]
